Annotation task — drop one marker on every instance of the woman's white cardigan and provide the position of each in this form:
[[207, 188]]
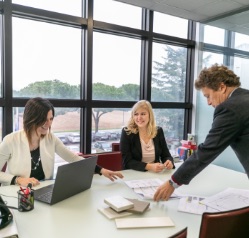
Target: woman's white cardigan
[[14, 150]]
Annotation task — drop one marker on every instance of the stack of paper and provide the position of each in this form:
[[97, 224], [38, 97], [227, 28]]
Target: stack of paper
[[120, 207], [119, 203], [111, 214], [139, 206]]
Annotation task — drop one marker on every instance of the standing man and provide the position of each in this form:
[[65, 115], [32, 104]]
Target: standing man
[[221, 87]]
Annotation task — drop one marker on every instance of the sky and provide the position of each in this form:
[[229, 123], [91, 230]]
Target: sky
[[44, 51]]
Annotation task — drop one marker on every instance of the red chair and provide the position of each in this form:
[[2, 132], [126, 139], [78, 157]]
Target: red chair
[[181, 234], [228, 224], [108, 160], [115, 146]]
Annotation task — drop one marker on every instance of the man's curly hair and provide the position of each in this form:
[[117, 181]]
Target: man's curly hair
[[213, 76]]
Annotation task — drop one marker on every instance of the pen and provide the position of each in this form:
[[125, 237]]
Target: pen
[[22, 190]]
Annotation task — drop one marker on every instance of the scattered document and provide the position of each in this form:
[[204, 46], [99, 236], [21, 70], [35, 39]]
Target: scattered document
[[229, 199], [146, 188], [192, 204]]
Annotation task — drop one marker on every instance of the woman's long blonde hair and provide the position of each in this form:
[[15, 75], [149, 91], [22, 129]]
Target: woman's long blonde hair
[[151, 127]]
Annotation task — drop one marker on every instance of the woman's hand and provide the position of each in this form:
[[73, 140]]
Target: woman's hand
[[155, 167], [25, 181], [112, 175], [168, 165]]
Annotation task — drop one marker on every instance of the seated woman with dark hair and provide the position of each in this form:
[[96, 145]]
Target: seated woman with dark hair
[[30, 153]]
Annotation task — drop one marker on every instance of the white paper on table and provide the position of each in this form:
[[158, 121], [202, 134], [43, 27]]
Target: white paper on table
[[10, 230], [192, 204], [146, 188], [229, 199]]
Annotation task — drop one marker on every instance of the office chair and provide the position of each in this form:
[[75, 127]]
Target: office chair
[[108, 160], [180, 234], [115, 146], [228, 224]]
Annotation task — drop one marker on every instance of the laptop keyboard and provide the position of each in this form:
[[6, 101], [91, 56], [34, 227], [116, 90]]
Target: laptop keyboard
[[46, 196]]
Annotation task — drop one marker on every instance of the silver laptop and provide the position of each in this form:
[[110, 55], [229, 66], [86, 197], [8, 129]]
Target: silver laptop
[[71, 179]]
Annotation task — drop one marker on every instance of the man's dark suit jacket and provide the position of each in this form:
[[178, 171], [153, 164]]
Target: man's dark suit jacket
[[132, 152], [230, 128]]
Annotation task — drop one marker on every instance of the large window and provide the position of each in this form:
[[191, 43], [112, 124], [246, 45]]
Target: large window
[[72, 7], [231, 49], [46, 60], [116, 67], [214, 35], [170, 25], [241, 42], [94, 60], [168, 73], [115, 12]]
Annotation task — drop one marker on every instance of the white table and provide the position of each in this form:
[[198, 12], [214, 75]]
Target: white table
[[78, 216]]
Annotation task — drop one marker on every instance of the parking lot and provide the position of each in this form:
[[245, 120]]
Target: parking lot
[[101, 142]]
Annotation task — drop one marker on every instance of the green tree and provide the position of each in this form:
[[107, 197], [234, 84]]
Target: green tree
[[168, 83], [50, 89], [106, 92], [170, 76], [130, 92]]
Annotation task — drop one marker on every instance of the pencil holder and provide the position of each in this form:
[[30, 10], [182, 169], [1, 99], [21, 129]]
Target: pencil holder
[[25, 200]]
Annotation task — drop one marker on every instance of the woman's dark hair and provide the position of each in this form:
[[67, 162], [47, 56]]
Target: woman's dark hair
[[35, 114]]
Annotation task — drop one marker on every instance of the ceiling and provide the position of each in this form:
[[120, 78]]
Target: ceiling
[[227, 14]]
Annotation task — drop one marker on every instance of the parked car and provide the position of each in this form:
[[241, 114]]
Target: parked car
[[93, 136], [74, 148], [73, 137], [63, 138], [102, 135], [103, 146], [113, 136]]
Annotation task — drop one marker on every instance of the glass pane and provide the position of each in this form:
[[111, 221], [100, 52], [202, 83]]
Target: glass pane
[[107, 124], [168, 73], [117, 13], [116, 75], [1, 124], [169, 25], [1, 79], [211, 58], [242, 70], [172, 122], [71, 7], [241, 42], [214, 35], [42, 60]]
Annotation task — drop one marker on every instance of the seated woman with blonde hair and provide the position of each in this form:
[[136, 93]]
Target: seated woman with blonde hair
[[143, 145]]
